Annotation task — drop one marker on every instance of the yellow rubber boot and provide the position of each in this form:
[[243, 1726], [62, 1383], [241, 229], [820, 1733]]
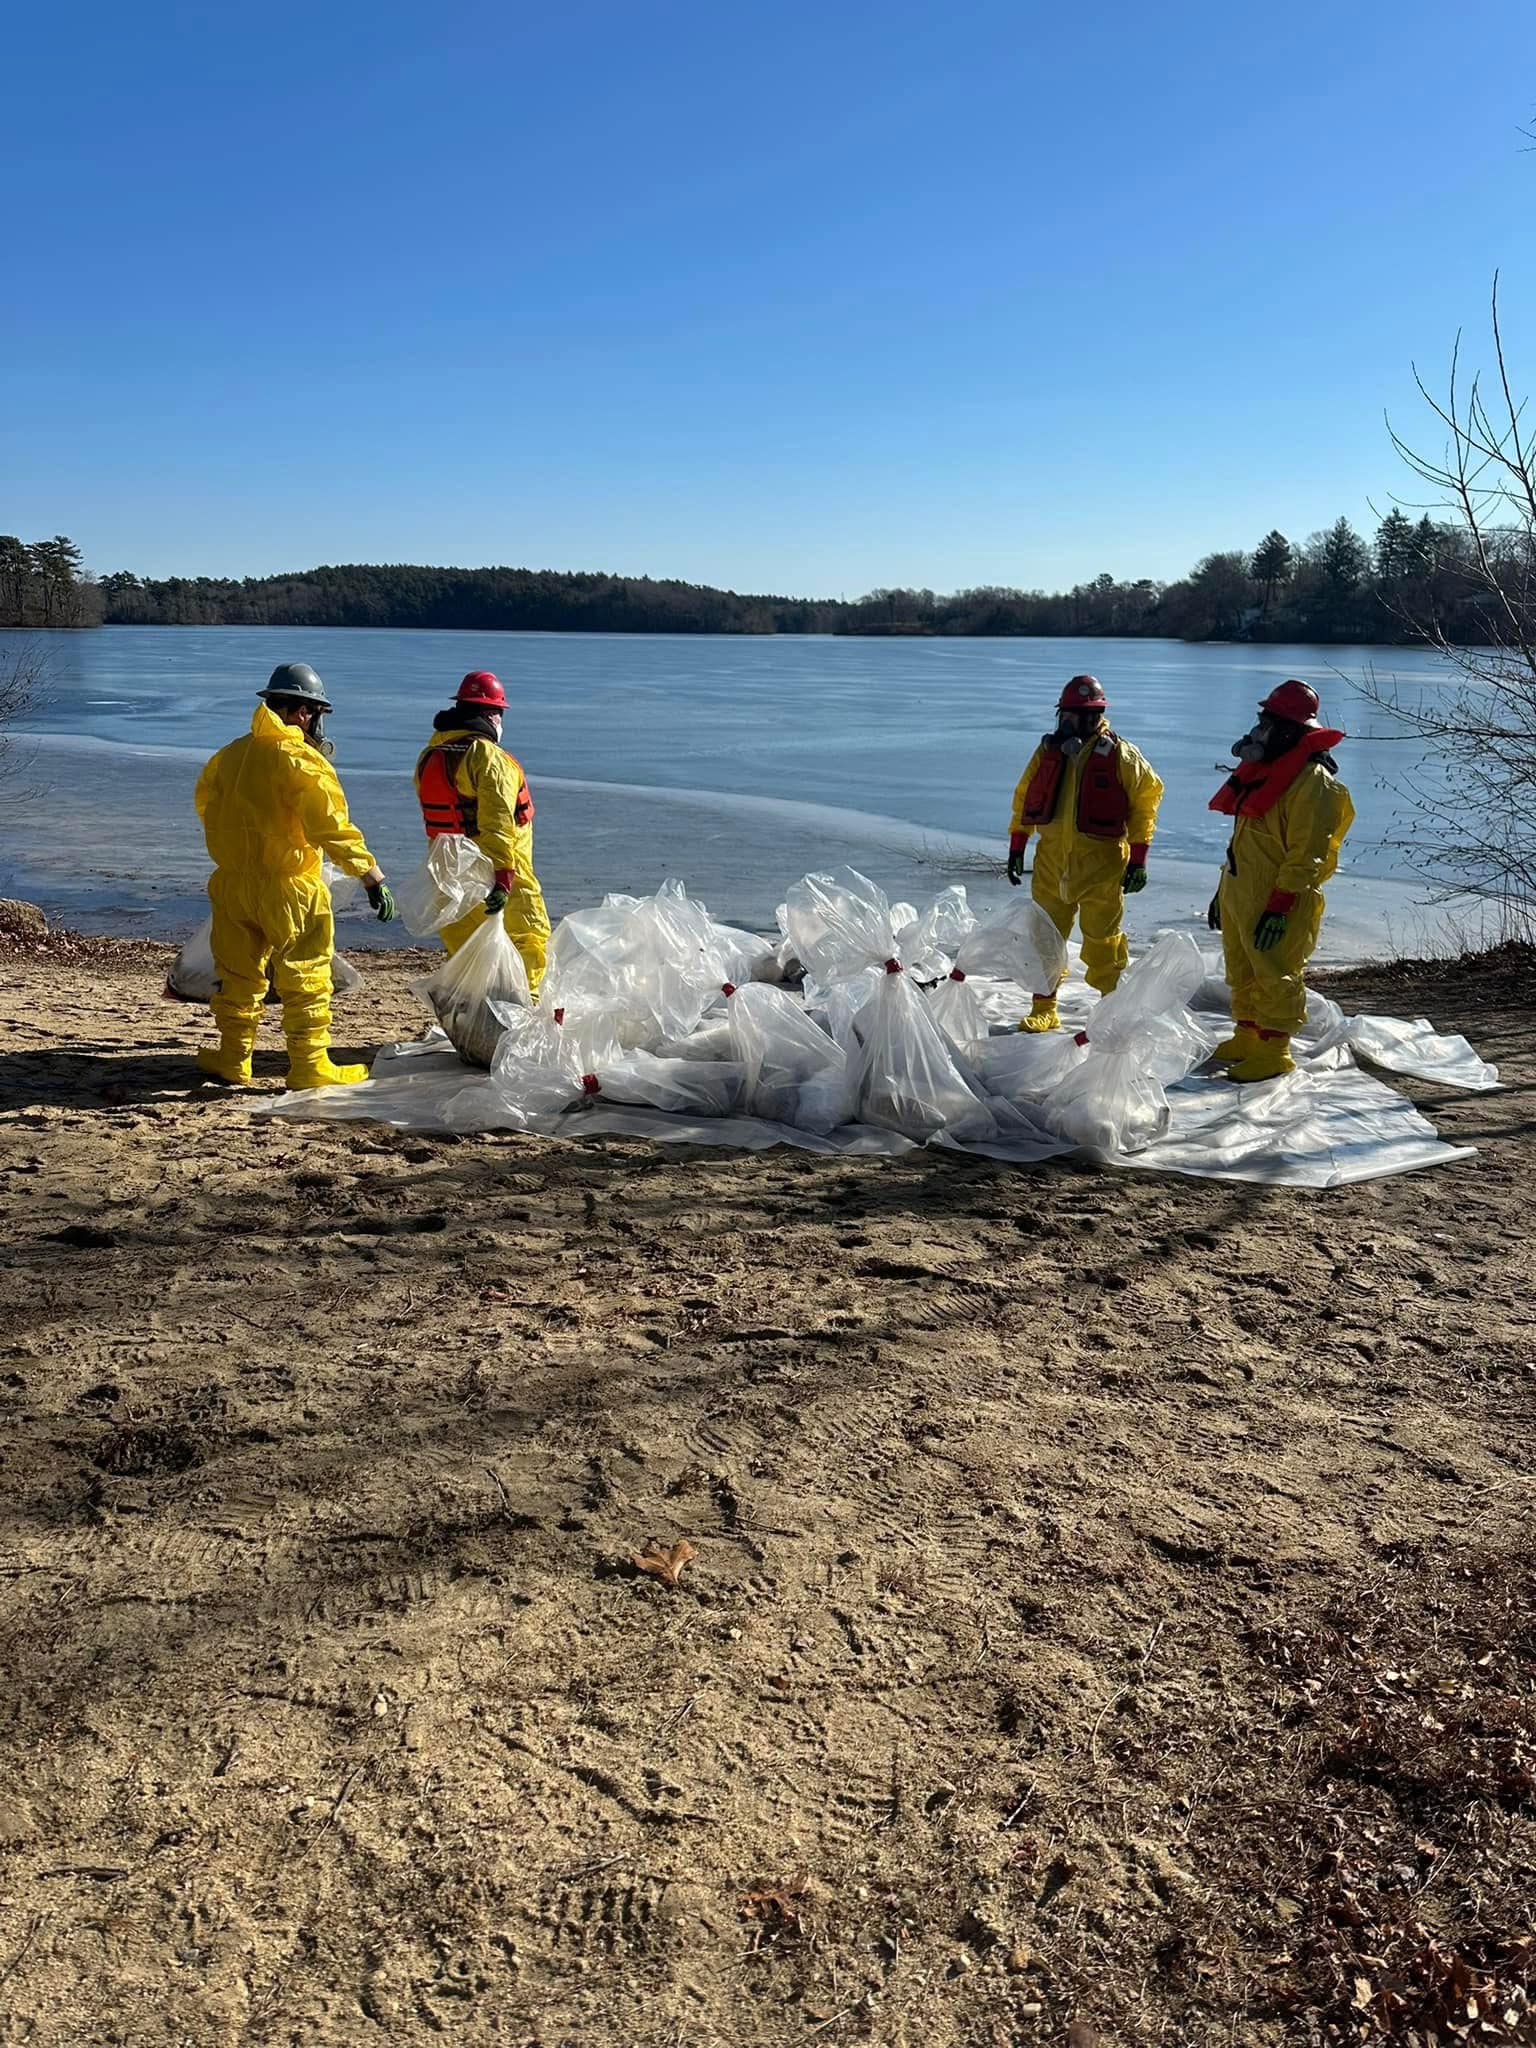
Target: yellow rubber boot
[[230, 1060], [1042, 1015], [1271, 1059], [1242, 1045], [314, 1068], [310, 1064]]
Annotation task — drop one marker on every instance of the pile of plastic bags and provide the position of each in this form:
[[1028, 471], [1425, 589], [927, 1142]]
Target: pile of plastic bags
[[866, 1026], [862, 1013]]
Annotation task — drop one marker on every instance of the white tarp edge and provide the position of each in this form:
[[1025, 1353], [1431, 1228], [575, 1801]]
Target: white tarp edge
[[1324, 1126]]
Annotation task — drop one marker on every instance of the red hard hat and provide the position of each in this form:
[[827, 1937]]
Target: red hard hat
[[1298, 702], [481, 687], [1083, 693]]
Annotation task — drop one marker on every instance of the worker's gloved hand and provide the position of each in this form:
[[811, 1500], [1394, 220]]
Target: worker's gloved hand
[[1269, 930], [1016, 866], [1135, 878], [382, 899], [1213, 913], [501, 889]]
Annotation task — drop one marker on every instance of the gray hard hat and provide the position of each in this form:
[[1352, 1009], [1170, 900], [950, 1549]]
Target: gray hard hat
[[297, 681]]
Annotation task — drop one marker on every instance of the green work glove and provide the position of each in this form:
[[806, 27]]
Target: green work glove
[[1135, 879], [1016, 867], [496, 900], [1213, 914], [382, 898], [1269, 930]]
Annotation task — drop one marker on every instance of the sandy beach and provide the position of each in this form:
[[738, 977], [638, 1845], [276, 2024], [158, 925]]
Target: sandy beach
[[1109, 1616]]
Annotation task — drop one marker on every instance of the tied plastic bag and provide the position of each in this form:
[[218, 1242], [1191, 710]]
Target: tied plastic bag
[[661, 960], [454, 877], [795, 1073], [956, 1008], [193, 978], [928, 945], [712, 1041], [546, 1061], [1140, 1038], [486, 971], [1026, 1067], [1148, 1013], [1108, 1104], [1017, 943], [839, 924], [684, 1087], [911, 1079]]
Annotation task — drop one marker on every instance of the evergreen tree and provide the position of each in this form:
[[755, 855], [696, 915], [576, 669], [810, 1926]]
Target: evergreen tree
[[1396, 551], [1344, 558], [15, 581], [1272, 564]]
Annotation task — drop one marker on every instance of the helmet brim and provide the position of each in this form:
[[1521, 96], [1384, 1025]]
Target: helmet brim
[[294, 697]]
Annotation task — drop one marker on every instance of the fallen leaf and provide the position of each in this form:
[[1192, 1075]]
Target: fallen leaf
[[665, 1565], [777, 1905]]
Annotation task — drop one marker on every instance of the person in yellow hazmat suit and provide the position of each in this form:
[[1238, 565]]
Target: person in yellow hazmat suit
[[1289, 816], [271, 806], [466, 783], [1093, 800]]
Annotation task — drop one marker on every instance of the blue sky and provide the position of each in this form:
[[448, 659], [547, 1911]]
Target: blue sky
[[797, 298]]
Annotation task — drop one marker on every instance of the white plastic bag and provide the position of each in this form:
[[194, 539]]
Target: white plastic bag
[[193, 975], [796, 1073], [1016, 943], [1140, 1038], [927, 946], [712, 1041], [454, 876], [1026, 1066], [956, 1008], [911, 1080], [486, 970], [1148, 1014], [683, 1087], [344, 890], [660, 960], [1108, 1104], [194, 978], [839, 924]]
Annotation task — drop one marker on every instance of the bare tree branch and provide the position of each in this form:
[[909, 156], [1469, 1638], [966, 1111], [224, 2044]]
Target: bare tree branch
[[1471, 804]]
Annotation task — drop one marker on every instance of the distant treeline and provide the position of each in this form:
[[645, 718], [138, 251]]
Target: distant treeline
[[486, 600], [1335, 586]]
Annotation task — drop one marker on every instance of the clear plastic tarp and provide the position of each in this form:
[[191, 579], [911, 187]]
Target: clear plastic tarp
[[656, 1022]]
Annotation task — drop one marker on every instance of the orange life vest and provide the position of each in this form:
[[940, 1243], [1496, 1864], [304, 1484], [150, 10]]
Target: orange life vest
[[444, 806], [1103, 807], [1255, 787]]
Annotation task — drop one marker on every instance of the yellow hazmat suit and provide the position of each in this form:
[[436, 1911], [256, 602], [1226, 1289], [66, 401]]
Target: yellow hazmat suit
[[1080, 878], [491, 782], [1286, 852], [271, 805]]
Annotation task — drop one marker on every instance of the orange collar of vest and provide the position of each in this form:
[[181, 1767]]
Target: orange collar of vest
[[1254, 787]]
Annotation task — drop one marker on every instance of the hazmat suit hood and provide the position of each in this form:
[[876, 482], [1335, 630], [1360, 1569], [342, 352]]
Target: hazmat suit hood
[[463, 718]]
